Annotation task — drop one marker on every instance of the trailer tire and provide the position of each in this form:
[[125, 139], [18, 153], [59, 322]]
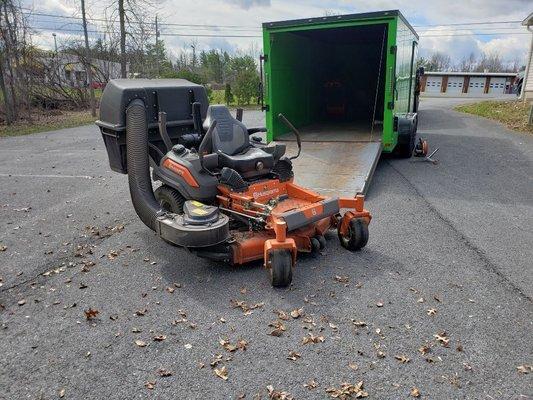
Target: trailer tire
[[170, 199], [357, 236], [405, 149], [280, 268]]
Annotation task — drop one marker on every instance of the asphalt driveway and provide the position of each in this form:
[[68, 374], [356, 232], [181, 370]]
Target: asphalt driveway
[[439, 303]]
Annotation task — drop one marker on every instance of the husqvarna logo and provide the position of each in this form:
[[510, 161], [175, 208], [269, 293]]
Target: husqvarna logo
[[266, 193]]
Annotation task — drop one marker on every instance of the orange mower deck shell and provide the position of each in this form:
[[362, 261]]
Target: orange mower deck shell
[[252, 246]]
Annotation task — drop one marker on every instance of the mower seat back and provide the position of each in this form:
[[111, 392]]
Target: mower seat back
[[230, 140]]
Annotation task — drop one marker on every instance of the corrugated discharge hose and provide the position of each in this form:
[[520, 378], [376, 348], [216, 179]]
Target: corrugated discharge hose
[[142, 195]]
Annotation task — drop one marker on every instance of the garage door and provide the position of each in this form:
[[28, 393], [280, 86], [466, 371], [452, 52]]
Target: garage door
[[433, 84], [455, 84], [497, 85], [476, 86]]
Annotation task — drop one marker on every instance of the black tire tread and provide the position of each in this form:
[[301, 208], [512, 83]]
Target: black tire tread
[[280, 268]]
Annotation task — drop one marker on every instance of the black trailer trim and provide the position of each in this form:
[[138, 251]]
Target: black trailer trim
[[336, 18]]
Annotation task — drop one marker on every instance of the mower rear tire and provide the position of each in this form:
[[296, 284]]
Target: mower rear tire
[[170, 199], [280, 268], [357, 235]]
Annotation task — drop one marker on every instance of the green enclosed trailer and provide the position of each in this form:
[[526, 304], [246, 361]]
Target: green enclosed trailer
[[347, 83]]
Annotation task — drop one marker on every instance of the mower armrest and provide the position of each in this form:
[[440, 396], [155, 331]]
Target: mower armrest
[[251, 131]]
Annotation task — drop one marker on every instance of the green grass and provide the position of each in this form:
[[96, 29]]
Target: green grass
[[513, 114], [67, 119]]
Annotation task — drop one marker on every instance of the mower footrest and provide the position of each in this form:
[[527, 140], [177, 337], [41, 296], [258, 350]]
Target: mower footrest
[[310, 214]]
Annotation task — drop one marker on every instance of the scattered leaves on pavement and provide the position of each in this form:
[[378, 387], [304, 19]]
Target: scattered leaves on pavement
[[312, 339], [278, 330], [347, 390], [277, 395]]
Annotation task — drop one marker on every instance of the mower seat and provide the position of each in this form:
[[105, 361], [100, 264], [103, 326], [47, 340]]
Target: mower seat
[[230, 140]]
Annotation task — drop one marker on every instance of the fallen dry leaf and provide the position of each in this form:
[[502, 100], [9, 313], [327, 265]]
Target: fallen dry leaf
[[3, 247], [277, 395], [379, 304], [242, 344], [222, 373], [402, 359], [415, 392], [424, 349], [21, 302], [281, 315], [140, 343], [245, 307], [342, 279], [347, 390], [150, 385], [432, 311], [62, 393], [278, 330], [159, 338], [442, 338], [170, 289], [312, 339], [227, 345], [293, 355], [420, 300], [164, 372], [142, 312], [311, 385], [359, 324], [525, 369], [91, 314], [353, 366], [297, 313]]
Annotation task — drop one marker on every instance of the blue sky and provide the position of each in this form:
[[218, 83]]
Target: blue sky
[[249, 14]]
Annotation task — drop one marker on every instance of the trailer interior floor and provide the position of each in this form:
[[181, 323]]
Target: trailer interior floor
[[336, 132]]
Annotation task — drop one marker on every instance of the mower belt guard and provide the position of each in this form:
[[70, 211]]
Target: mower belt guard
[[173, 228], [310, 214]]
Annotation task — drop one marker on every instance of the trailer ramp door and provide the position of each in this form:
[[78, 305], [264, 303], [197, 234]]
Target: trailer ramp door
[[335, 168]]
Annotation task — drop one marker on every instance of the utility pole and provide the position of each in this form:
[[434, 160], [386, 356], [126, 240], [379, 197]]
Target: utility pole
[[193, 56], [88, 66], [157, 45], [55, 42], [122, 39]]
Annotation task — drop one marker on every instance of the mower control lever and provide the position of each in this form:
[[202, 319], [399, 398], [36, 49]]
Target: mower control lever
[[162, 121], [296, 133], [203, 148]]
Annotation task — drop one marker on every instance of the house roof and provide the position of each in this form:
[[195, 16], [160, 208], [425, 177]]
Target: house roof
[[528, 21], [459, 73]]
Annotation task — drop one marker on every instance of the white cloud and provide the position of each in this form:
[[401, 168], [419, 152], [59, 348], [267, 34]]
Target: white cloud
[[250, 14]]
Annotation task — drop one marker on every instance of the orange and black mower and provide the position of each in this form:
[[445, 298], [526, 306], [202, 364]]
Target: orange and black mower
[[223, 196]]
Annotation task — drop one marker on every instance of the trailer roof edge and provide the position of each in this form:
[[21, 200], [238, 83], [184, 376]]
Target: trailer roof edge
[[345, 17]]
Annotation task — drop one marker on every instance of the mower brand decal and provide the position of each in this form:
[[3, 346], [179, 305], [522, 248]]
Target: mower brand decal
[[266, 193]]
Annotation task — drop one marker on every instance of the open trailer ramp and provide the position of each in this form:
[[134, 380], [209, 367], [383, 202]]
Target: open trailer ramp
[[335, 168]]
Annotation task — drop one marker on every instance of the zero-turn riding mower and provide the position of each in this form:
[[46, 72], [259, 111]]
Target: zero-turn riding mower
[[222, 196]]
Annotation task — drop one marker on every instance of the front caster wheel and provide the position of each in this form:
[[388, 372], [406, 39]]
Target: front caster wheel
[[356, 236], [280, 268]]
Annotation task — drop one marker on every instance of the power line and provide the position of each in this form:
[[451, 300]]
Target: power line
[[471, 23], [178, 34]]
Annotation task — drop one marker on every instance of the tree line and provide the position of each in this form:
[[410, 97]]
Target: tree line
[[33, 79], [492, 62]]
